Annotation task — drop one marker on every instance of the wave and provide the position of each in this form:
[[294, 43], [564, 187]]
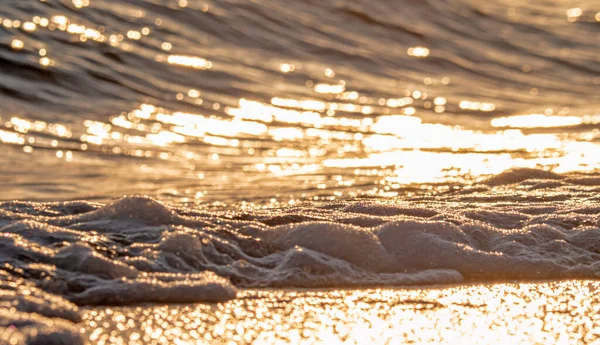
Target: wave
[[108, 57], [274, 94], [137, 250]]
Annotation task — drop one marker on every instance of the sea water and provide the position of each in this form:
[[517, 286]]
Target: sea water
[[190, 151]]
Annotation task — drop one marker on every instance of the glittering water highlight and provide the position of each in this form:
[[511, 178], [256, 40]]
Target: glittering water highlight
[[198, 100]]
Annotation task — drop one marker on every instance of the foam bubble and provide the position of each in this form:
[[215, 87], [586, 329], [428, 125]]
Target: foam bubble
[[355, 245], [137, 250], [521, 174], [203, 287]]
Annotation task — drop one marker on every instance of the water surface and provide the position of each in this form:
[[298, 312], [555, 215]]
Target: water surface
[[233, 100], [292, 145]]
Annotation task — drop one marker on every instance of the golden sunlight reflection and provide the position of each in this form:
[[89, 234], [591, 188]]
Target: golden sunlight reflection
[[287, 68], [544, 121], [289, 137], [326, 88], [420, 52], [518, 313], [334, 127], [17, 44], [477, 106], [189, 61], [82, 33], [420, 114]]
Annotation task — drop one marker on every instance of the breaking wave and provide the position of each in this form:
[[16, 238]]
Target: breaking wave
[[136, 249]]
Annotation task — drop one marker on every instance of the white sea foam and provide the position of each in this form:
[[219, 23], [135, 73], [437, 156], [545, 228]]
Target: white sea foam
[[138, 250]]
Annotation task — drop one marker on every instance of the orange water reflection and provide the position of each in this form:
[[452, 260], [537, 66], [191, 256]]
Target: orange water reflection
[[314, 130], [547, 313], [415, 151], [308, 140]]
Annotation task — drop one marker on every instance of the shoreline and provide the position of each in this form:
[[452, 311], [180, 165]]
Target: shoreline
[[492, 313]]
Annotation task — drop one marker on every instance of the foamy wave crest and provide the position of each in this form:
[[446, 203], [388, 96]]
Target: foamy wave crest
[[134, 250]]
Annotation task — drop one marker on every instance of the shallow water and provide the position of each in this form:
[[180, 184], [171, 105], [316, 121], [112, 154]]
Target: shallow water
[[197, 100], [520, 225], [518, 313], [313, 144]]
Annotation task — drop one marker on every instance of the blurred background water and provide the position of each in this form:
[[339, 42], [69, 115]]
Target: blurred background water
[[195, 100]]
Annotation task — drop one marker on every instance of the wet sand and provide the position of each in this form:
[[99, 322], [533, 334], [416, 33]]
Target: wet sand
[[561, 312]]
